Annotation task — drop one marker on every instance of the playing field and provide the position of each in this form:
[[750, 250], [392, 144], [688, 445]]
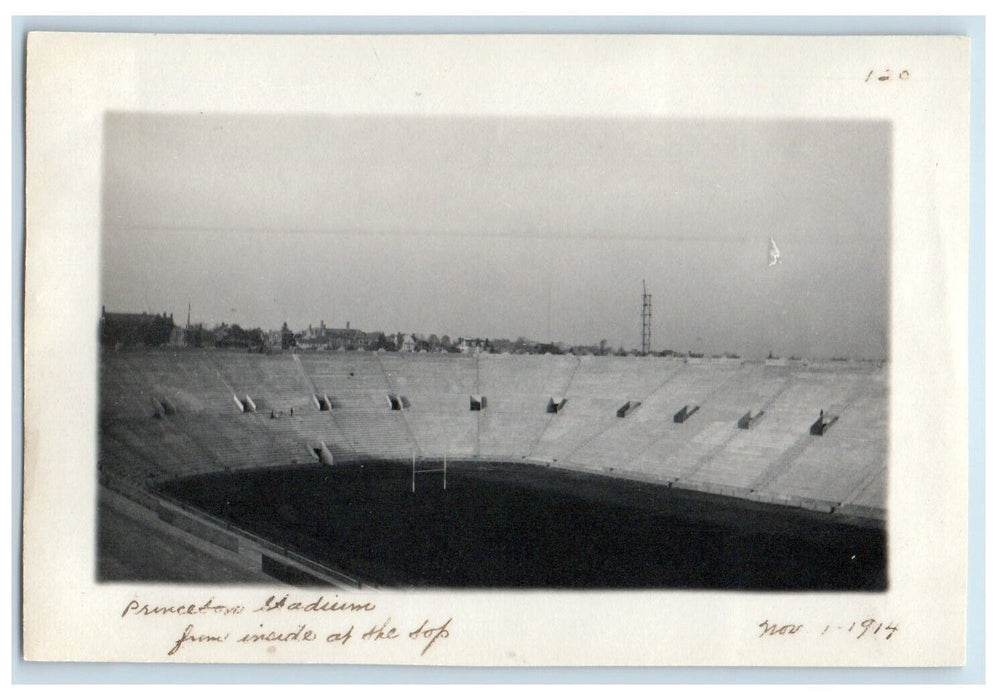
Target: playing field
[[522, 526]]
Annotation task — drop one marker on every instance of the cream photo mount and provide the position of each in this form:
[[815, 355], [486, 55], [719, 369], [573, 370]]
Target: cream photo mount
[[919, 85]]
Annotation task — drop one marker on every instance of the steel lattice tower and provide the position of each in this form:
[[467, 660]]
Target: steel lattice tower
[[645, 320]]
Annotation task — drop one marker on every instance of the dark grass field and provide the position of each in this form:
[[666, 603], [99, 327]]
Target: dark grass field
[[524, 526]]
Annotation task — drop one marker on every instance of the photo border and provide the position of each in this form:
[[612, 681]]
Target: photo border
[[972, 672]]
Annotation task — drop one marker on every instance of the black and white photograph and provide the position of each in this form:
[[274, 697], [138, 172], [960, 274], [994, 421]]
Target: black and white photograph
[[496, 350]]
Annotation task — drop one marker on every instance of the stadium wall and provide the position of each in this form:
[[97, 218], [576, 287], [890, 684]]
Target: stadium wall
[[775, 459]]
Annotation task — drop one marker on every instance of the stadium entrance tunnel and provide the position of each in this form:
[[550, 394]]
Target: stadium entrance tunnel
[[627, 408], [520, 525], [748, 420], [822, 424], [161, 406], [556, 404], [479, 403], [685, 413], [323, 454], [322, 402], [397, 402]]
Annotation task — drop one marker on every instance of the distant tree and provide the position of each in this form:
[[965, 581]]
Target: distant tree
[[383, 342]]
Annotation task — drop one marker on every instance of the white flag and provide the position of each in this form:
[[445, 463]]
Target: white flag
[[775, 257]]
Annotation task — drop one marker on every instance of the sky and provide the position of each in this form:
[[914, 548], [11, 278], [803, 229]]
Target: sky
[[543, 228]]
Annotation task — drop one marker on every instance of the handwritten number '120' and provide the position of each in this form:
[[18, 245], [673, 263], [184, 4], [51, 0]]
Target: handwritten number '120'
[[888, 75]]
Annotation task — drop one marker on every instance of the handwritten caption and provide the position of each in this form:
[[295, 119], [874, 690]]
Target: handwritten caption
[[332, 622], [883, 76], [868, 628]]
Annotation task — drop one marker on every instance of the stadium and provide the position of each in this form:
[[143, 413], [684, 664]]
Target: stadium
[[746, 450], [389, 469]]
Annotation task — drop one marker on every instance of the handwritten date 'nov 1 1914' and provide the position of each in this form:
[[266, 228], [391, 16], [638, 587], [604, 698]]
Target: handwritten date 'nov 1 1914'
[[869, 628]]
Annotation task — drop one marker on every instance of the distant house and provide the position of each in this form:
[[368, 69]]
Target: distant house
[[470, 345], [408, 344]]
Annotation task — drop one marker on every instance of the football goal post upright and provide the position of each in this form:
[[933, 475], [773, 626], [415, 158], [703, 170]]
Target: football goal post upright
[[430, 470]]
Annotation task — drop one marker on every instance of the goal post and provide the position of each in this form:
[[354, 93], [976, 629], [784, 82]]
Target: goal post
[[432, 470]]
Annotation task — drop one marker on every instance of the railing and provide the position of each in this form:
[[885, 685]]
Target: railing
[[146, 499]]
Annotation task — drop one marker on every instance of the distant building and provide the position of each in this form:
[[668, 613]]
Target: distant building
[[470, 345], [234, 336], [408, 344], [282, 339], [178, 337], [322, 338], [193, 336], [500, 345], [130, 329]]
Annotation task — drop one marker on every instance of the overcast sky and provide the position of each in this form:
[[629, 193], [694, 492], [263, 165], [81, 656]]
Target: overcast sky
[[507, 227]]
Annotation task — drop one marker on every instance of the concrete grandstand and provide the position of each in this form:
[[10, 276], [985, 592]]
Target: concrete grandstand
[[168, 414]]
